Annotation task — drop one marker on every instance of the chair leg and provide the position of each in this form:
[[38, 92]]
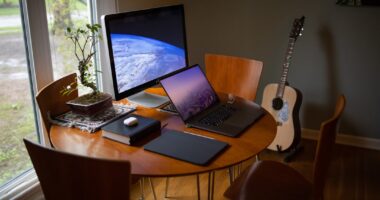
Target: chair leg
[[152, 188], [166, 187]]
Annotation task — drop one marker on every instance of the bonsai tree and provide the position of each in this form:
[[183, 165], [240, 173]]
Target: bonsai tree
[[84, 40]]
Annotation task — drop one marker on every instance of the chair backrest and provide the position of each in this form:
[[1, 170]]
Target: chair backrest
[[328, 132], [50, 100], [68, 176], [229, 74]]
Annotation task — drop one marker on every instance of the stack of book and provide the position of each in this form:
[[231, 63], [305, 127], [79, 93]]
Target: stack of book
[[117, 131]]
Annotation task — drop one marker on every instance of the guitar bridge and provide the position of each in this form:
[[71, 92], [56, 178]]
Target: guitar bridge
[[279, 123]]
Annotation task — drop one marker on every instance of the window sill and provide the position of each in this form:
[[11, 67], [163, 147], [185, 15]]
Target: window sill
[[22, 187]]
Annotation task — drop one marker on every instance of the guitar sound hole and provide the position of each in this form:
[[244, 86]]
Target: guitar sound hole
[[277, 103]]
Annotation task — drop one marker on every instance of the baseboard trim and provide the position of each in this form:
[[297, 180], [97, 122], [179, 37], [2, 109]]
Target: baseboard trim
[[350, 140]]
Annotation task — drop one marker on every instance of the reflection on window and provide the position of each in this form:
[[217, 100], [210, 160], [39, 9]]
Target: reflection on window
[[16, 110]]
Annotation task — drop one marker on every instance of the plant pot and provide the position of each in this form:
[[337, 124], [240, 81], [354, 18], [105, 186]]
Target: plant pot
[[90, 104]]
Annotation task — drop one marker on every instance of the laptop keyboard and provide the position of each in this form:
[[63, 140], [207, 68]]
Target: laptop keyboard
[[218, 116]]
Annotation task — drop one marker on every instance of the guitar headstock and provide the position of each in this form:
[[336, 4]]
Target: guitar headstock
[[297, 27]]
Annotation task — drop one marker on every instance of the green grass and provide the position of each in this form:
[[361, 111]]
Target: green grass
[[12, 8], [9, 11], [13, 2], [10, 30], [17, 122]]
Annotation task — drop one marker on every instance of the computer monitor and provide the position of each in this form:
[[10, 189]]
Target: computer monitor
[[143, 47]]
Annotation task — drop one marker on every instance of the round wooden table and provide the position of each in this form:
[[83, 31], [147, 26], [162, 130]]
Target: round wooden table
[[144, 163]]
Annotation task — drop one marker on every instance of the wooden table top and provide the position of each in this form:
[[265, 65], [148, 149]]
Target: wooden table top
[[255, 139]]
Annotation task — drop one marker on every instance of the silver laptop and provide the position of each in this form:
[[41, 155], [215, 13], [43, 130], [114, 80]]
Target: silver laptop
[[199, 106]]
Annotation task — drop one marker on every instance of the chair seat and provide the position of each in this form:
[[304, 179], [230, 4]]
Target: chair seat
[[269, 180]]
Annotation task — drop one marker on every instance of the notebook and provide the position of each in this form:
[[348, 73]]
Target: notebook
[[186, 147], [199, 106]]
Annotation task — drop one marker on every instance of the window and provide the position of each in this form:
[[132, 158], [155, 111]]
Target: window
[[18, 80], [16, 106]]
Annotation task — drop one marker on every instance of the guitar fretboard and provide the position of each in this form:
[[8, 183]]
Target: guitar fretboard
[[285, 68]]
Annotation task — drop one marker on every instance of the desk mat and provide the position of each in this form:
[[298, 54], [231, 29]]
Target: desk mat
[[186, 147], [94, 123]]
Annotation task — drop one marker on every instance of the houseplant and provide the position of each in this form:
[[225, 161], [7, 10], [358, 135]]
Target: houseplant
[[84, 40]]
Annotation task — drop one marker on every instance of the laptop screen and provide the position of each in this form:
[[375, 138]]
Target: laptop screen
[[189, 91]]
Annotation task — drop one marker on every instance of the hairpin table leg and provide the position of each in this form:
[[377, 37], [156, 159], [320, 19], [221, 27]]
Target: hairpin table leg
[[166, 187], [198, 188], [231, 174], [152, 188], [211, 178], [141, 181]]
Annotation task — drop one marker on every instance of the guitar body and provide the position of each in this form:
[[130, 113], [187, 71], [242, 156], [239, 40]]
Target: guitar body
[[287, 117]]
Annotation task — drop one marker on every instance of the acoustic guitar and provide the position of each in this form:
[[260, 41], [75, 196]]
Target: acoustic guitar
[[283, 101]]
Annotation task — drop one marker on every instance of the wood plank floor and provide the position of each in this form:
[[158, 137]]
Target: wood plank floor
[[354, 174]]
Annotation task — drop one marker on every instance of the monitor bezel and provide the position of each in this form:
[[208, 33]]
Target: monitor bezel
[[156, 81]]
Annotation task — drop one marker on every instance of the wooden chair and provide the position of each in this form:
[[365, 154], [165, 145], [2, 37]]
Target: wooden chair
[[235, 75], [274, 180], [52, 102], [68, 176]]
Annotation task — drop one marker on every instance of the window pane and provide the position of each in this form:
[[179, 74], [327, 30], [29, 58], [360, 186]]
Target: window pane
[[16, 110], [62, 14]]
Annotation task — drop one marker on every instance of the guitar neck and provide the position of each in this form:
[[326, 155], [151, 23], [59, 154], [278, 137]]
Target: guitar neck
[[285, 68]]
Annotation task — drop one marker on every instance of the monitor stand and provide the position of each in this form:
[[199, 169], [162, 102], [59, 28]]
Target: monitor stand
[[147, 99]]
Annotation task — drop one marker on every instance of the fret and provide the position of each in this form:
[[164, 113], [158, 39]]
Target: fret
[[285, 68]]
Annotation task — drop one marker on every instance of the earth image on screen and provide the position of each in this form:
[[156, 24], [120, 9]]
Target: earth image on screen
[[141, 59]]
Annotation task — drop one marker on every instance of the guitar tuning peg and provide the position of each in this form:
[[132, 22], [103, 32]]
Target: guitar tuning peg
[[300, 34], [302, 29]]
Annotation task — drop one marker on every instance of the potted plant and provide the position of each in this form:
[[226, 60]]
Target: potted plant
[[84, 40]]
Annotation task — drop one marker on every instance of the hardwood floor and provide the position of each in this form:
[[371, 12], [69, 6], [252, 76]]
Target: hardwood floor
[[354, 174]]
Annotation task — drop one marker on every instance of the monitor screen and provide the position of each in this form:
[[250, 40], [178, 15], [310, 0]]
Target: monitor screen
[[144, 46]]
